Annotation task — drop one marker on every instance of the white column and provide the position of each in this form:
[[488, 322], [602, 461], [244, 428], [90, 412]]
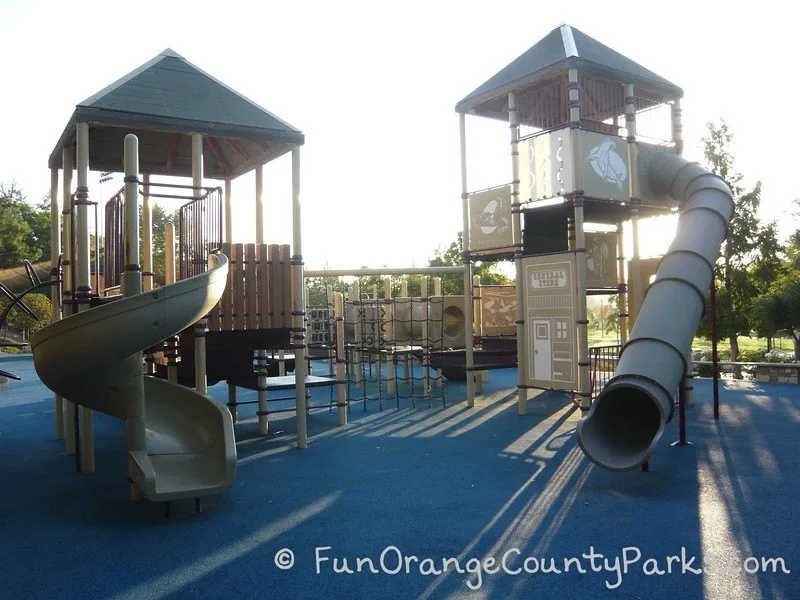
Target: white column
[[229, 240], [83, 281], [298, 316], [584, 376], [636, 295], [582, 330], [228, 213], [147, 236], [55, 290], [677, 126], [516, 219], [468, 333], [169, 277], [67, 291], [200, 326], [622, 298], [259, 171], [261, 362], [132, 275]]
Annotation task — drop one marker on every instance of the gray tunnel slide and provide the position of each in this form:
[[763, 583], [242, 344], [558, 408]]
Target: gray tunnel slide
[[627, 418], [180, 443]]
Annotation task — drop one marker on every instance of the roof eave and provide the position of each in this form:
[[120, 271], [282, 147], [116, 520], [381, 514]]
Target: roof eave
[[178, 125], [56, 156]]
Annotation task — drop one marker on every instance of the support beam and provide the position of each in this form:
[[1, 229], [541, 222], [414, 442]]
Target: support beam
[[261, 355], [69, 407], [147, 236], [172, 149], [584, 376], [384, 271], [132, 286], [216, 152], [677, 126], [201, 326], [169, 277], [259, 173], [468, 334], [228, 213], [636, 295], [582, 322], [298, 303], [341, 376], [516, 218], [55, 303], [622, 298], [234, 145], [84, 286]]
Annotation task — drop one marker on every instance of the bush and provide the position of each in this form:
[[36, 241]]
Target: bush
[[752, 355]]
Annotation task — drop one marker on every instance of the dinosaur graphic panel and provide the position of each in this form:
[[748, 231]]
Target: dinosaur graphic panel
[[490, 219], [605, 166]]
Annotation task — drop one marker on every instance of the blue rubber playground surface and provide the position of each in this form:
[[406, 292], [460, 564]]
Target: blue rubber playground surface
[[425, 502]]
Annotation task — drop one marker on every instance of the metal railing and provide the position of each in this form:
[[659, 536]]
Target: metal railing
[[602, 364], [200, 231], [114, 251]]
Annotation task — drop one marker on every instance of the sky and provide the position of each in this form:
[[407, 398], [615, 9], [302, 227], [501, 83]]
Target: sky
[[373, 86]]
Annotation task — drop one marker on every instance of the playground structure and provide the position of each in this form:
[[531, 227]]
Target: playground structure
[[583, 163], [179, 444], [581, 166]]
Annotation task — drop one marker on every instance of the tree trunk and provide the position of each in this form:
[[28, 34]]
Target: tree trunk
[[736, 369]]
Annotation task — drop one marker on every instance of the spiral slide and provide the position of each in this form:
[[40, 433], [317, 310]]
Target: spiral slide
[[180, 443]]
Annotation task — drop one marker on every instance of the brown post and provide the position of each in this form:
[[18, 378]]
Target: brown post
[[714, 355]]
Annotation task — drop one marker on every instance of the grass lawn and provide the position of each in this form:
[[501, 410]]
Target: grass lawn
[[745, 342]]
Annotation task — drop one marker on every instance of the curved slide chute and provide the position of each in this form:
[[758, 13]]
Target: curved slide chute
[[627, 418], [93, 358]]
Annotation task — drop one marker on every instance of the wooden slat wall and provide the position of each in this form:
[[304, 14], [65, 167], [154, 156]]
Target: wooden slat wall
[[258, 294], [237, 281], [286, 273], [275, 283], [264, 317], [226, 305], [251, 286]]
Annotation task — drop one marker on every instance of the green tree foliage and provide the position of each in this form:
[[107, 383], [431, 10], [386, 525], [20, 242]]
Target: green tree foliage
[[160, 218], [778, 312], [22, 228], [22, 321], [737, 288], [452, 256]]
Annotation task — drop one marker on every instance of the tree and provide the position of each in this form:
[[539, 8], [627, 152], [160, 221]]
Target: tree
[[14, 229], [769, 266], [779, 312], [24, 228], [160, 218], [454, 284], [19, 319], [736, 287], [38, 219]]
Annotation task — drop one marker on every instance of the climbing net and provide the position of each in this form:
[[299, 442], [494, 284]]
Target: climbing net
[[388, 347]]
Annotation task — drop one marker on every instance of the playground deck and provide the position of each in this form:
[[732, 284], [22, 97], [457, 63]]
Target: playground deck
[[432, 482]]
